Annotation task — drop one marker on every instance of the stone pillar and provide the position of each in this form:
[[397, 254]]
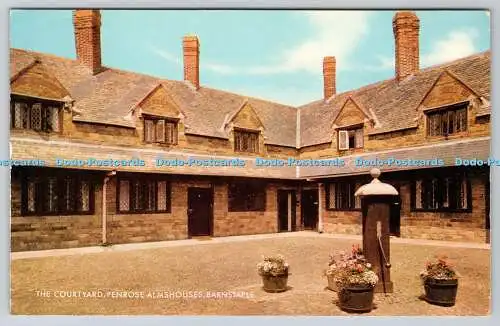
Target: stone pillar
[[376, 200]]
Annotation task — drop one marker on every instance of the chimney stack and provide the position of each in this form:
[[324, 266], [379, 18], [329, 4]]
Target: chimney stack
[[405, 26], [191, 48], [329, 66], [87, 24]]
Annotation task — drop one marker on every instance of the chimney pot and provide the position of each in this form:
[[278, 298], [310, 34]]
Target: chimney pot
[[191, 48], [329, 71], [87, 25], [406, 27]]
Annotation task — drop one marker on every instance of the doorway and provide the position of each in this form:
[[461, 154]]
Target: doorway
[[200, 211], [309, 209], [286, 210], [395, 214]]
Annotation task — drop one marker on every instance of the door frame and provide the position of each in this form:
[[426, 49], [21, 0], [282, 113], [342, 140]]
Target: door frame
[[395, 212], [292, 200], [316, 191], [210, 191]]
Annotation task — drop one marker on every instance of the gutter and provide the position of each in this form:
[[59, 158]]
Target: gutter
[[104, 210]]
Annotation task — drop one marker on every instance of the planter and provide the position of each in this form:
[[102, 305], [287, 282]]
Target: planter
[[331, 283], [441, 292], [275, 284], [356, 298]]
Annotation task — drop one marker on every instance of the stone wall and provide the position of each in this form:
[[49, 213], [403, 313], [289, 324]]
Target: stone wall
[[51, 232], [446, 226]]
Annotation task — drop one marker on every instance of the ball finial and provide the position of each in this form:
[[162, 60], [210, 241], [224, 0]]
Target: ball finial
[[375, 173]]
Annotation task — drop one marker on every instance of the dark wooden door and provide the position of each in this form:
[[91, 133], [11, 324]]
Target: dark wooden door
[[395, 215], [200, 212], [286, 210], [309, 203]]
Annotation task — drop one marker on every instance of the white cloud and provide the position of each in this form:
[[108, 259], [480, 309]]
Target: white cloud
[[335, 33], [457, 44], [166, 55]]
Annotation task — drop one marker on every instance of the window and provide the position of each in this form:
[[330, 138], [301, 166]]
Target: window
[[441, 193], [35, 115], [246, 197], [340, 195], [56, 195], [246, 141], [350, 138], [143, 195], [157, 130], [447, 121]]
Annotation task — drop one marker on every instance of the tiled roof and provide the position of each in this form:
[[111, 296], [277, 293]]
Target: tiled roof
[[475, 148], [393, 104], [50, 150], [108, 97]]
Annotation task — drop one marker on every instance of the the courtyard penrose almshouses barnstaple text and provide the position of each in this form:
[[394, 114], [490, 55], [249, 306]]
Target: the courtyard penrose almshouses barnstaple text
[[77, 109]]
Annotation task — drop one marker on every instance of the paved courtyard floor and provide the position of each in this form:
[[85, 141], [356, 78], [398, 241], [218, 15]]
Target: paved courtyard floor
[[229, 267]]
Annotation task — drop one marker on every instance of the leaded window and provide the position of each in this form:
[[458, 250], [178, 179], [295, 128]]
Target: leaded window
[[447, 121], [441, 193], [340, 195], [56, 194], [160, 130], [143, 194], [246, 141], [33, 114], [246, 196]]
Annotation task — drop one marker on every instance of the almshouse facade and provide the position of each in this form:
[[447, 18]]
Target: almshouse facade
[[128, 157]]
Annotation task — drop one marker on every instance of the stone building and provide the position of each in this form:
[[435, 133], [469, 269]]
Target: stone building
[[122, 157]]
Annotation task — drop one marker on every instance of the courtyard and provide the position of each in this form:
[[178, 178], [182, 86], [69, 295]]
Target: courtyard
[[44, 285]]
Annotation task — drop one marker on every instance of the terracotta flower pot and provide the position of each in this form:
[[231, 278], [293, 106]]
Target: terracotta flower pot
[[356, 298], [275, 284], [441, 292]]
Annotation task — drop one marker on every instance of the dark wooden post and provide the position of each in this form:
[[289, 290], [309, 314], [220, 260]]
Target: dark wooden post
[[376, 201]]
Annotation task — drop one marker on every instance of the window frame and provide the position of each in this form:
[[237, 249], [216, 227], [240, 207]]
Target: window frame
[[42, 193], [45, 115], [155, 121], [440, 181], [351, 132], [259, 188], [354, 186], [241, 132], [144, 182], [444, 123]]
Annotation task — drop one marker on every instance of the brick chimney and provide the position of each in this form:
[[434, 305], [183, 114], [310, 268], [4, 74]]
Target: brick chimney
[[329, 66], [191, 48], [87, 24], [405, 26]]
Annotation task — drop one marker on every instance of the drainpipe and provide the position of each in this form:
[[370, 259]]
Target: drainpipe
[[104, 209]]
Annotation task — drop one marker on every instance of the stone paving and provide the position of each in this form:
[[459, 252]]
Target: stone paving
[[223, 267]]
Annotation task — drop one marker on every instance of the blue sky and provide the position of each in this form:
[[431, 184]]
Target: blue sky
[[275, 55]]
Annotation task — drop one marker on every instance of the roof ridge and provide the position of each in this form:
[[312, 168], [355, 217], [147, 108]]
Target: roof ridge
[[420, 71]]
